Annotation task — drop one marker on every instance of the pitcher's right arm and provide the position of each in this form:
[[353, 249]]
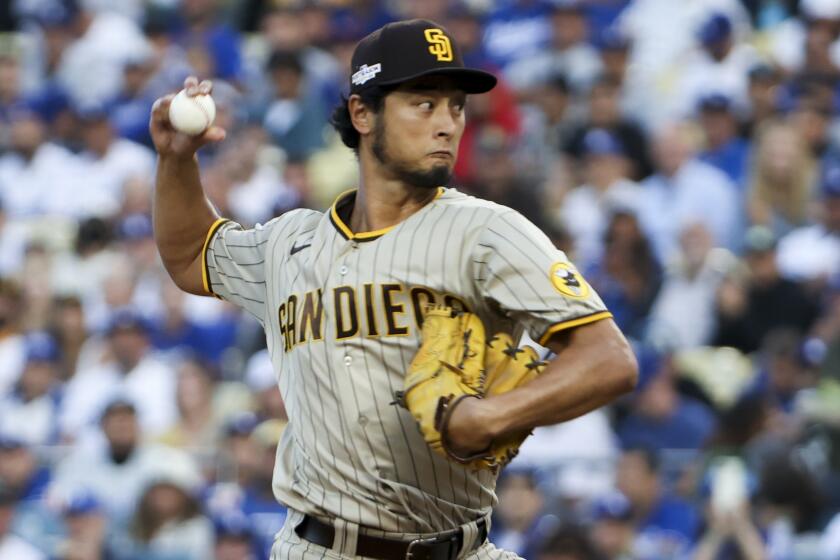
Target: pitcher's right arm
[[183, 217]]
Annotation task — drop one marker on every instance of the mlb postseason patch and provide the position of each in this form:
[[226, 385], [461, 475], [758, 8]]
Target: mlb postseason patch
[[366, 73]]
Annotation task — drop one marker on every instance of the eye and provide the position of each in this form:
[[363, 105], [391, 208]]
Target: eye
[[426, 105]]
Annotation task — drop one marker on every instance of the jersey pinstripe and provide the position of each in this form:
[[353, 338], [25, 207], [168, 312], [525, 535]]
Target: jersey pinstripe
[[342, 314]]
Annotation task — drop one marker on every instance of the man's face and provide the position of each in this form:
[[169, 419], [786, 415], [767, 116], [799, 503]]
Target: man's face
[[6, 513], [719, 49], [602, 170], [604, 105], [37, 378], [763, 267], [671, 149], [612, 536], [831, 210], [287, 82], [519, 502], [719, 126], [17, 466], [122, 431], [129, 345], [635, 479], [416, 134], [27, 134], [87, 526], [233, 548], [569, 27], [97, 135], [9, 78]]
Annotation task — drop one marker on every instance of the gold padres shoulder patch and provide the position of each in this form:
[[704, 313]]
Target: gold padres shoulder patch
[[568, 281]]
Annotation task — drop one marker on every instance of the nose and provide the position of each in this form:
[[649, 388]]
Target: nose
[[446, 122]]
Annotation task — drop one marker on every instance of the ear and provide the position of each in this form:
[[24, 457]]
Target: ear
[[361, 117]]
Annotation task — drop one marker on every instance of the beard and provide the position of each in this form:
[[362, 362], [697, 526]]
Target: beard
[[437, 176], [120, 453]]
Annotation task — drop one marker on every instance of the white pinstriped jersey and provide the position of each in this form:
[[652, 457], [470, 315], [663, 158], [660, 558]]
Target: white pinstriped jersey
[[342, 314]]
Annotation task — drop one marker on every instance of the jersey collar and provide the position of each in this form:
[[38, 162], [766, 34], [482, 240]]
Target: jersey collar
[[340, 208]]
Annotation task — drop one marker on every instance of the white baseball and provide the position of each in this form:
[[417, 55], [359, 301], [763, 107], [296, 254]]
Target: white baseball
[[192, 114]]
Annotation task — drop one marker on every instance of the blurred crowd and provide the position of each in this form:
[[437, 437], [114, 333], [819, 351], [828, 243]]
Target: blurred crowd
[[685, 154]]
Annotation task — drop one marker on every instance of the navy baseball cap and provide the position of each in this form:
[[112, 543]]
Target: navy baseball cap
[[55, 13], [614, 505], [127, 319], [602, 142], [650, 366], [232, 524], [135, 227], [715, 29], [404, 50], [91, 111], [10, 442], [41, 347], [762, 73], [118, 403], [612, 39], [81, 504], [714, 103], [241, 424]]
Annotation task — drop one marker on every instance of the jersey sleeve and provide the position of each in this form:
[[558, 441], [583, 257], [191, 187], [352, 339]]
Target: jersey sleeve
[[518, 269], [234, 264]]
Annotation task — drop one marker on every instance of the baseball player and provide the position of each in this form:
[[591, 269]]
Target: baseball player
[[348, 297]]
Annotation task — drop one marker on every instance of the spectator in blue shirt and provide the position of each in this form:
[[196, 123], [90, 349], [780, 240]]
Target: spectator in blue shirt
[[685, 191], [724, 148], [627, 277], [666, 526], [234, 536], [517, 30], [295, 118], [207, 37], [660, 417], [20, 470], [251, 447], [612, 528], [31, 410], [523, 520]]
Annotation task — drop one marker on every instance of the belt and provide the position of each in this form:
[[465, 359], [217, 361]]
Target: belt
[[435, 548]]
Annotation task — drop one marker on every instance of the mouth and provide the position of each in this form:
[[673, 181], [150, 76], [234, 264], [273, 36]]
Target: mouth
[[441, 154]]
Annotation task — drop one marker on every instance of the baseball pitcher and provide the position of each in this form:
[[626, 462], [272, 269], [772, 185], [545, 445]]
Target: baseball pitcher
[[391, 319]]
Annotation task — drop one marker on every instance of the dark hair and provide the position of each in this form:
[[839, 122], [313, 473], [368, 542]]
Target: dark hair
[[569, 540], [607, 81], [285, 60], [93, 233], [787, 482], [373, 98], [649, 455], [147, 523]]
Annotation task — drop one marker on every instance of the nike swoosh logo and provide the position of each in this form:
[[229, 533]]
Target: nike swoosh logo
[[299, 248]]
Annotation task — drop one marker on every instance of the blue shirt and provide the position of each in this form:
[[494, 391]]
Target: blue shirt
[[265, 514], [668, 532], [688, 427], [731, 158], [697, 193], [516, 31], [207, 341]]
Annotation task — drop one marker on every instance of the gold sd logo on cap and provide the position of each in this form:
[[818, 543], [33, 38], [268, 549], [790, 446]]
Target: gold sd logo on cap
[[439, 45]]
